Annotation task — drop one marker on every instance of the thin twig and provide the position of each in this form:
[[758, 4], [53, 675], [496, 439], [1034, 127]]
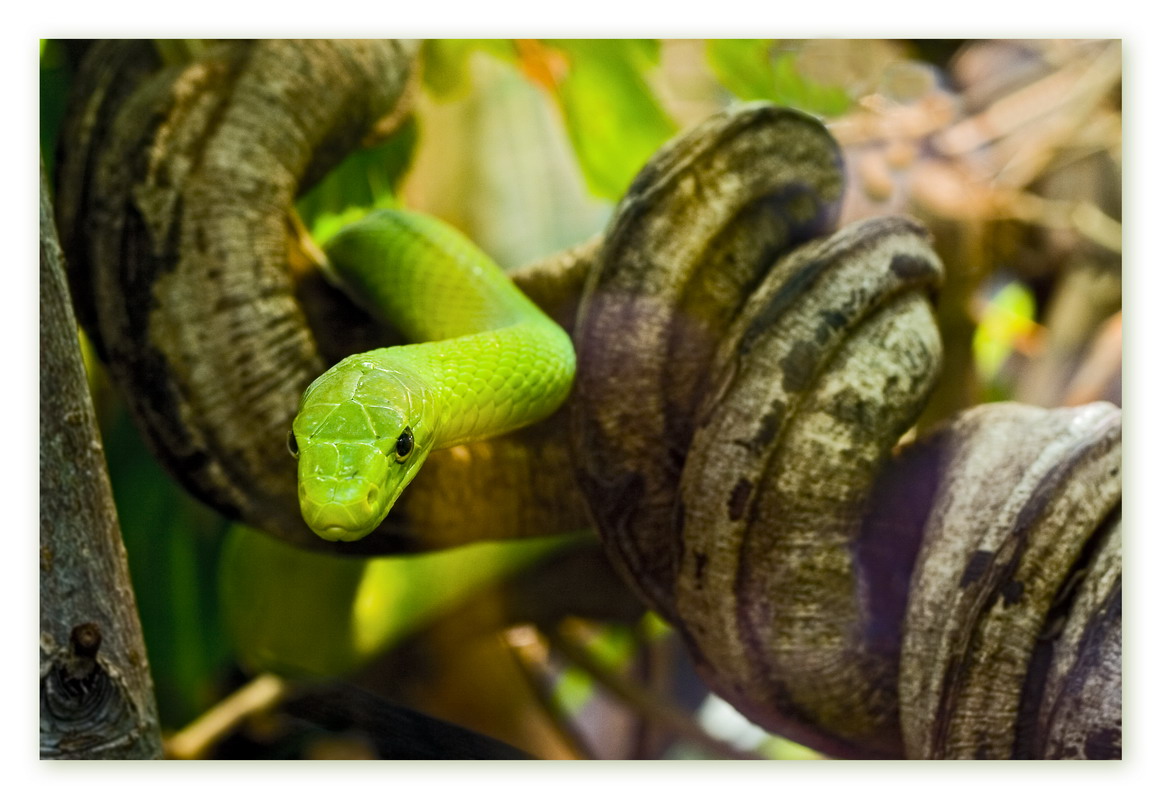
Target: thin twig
[[656, 673], [1082, 217], [644, 701], [260, 694], [529, 651], [1074, 81], [1030, 153]]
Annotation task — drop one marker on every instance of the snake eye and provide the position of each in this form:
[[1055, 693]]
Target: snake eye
[[404, 445], [292, 444]]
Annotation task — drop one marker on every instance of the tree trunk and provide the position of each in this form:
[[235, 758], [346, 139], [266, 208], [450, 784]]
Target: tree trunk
[[96, 694]]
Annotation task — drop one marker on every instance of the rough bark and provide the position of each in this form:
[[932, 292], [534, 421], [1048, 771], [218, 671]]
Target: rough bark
[[96, 694]]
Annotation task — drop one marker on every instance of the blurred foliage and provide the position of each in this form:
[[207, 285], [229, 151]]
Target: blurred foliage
[[613, 118], [365, 181], [54, 81], [494, 160], [614, 647], [1008, 150], [753, 69], [305, 614], [614, 121], [1006, 326], [173, 544], [446, 71]]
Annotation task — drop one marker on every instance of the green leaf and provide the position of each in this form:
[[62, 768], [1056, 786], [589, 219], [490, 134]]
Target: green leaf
[[1008, 318], [445, 63], [613, 646], [308, 614], [614, 121], [498, 165], [573, 690], [366, 180], [743, 67], [795, 91], [752, 69]]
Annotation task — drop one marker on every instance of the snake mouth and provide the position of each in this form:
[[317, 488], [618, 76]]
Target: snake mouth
[[337, 522], [341, 533], [337, 533], [340, 510]]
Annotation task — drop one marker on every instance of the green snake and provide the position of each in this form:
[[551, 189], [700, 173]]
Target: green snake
[[487, 361]]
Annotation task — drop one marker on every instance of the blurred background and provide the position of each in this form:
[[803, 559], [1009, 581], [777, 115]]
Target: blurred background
[[1009, 151]]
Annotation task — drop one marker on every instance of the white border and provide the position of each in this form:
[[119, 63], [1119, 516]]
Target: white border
[[593, 18]]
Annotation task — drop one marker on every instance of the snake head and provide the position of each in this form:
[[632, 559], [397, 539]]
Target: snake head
[[360, 437]]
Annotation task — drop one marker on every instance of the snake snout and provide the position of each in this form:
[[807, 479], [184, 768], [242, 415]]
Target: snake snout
[[344, 513], [337, 524]]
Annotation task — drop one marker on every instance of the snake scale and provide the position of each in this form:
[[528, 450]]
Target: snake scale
[[745, 373]]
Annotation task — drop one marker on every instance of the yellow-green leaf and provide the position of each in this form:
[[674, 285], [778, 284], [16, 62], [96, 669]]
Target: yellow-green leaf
[[614, 121], [753, 69], [1008, 318], [365, 180], [308, 614], [445, 63]]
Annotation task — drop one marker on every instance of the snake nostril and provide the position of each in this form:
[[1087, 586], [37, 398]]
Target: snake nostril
[[372, 495]]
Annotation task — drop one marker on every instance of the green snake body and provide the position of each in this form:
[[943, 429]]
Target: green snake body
[[488, 361]]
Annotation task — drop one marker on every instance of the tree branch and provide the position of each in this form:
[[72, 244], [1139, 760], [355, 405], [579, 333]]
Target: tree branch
[[96, 694]]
